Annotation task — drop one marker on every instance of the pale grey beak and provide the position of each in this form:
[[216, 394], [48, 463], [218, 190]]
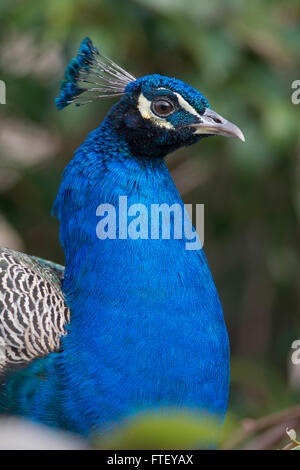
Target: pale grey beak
[[212, 123]]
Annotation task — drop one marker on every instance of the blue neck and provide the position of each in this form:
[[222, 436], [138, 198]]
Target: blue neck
[[147, 327], [102, 170]]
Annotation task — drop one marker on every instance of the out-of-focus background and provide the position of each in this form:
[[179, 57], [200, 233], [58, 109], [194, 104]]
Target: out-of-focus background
[[243, 56]]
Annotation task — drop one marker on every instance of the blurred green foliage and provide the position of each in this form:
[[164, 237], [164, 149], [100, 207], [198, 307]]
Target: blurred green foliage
[[166, 429], [243, 56]]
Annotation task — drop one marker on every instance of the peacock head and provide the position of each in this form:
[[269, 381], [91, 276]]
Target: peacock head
[[155, 114]]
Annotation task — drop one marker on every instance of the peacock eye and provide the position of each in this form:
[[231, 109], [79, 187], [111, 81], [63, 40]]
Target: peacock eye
[[162, 107]]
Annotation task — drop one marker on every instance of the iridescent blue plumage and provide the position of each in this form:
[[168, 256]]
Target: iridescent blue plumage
[[147, 328]]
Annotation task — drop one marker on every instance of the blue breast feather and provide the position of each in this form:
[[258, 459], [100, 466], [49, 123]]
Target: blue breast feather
[[147, 326]]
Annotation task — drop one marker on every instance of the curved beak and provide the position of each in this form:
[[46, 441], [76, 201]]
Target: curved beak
[[213, 124]]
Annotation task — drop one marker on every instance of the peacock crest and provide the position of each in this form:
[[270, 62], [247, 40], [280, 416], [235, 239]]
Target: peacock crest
[[91, 75]]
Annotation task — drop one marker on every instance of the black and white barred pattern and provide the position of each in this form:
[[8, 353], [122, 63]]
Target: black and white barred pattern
[[33, 312]]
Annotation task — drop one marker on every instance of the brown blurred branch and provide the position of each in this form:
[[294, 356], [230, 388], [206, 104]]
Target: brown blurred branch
[[271, 424]]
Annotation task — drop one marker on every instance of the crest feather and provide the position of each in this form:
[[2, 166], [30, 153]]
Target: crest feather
[[90, 76]]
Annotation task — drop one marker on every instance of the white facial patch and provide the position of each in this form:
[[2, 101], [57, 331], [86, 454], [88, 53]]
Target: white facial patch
[[144, 107]]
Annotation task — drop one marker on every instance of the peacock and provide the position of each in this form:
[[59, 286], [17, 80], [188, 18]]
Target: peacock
[[130, 323]]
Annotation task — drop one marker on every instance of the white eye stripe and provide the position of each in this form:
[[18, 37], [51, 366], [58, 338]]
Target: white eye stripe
[[186, 106], [144, 106]]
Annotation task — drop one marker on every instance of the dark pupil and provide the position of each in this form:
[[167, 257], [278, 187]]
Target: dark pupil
[[163, 108]]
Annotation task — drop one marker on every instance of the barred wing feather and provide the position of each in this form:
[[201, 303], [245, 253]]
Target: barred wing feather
[[33, 312]]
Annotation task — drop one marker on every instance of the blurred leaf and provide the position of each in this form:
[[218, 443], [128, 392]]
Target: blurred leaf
[[169, 429]]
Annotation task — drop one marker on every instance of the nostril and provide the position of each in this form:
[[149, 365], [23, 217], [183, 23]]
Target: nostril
[[218, 121]]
